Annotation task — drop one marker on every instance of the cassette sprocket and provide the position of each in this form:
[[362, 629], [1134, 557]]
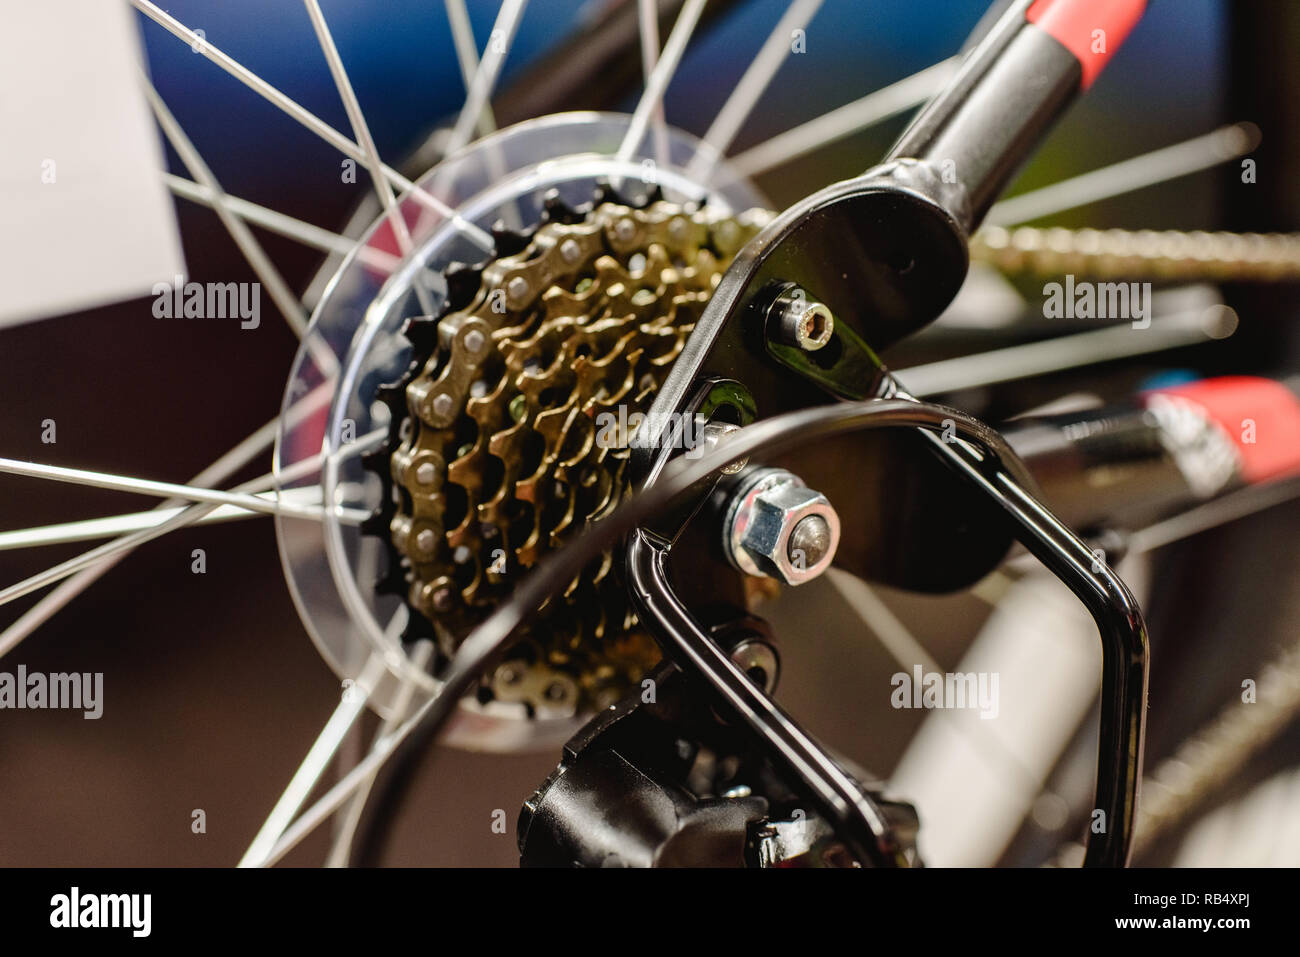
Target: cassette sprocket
[[497, 453]]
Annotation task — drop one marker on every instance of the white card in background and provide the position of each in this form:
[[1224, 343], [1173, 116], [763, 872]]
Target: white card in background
[[85, 219]]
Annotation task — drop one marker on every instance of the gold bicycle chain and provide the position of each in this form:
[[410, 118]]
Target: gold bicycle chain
[[1140, 254], [498, 460]]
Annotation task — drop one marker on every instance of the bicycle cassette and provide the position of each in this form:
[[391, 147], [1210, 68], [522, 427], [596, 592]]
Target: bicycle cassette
[[501, 447]]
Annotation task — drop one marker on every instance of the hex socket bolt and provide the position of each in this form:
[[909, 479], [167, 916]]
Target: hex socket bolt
[[798, 320], [775, 526]]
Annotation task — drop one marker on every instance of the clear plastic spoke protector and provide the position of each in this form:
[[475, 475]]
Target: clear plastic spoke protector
[[354, 344]]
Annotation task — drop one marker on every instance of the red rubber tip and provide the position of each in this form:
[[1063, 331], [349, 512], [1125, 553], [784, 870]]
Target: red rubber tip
[[1090, 29], [1262, 417]]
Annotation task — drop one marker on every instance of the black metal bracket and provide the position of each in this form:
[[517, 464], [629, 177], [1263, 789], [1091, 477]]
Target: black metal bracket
[[886, 252], [859, 819]]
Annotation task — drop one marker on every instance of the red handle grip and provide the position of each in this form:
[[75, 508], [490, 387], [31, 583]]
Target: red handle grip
[[1090, 29]]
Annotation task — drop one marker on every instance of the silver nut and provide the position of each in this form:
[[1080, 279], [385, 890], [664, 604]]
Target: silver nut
[[778, 527]]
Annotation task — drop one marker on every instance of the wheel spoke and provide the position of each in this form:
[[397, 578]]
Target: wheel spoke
[[322, 752], [897, 639], [340, 852], [880, 620], [462, 37], [262, 487], [47, 607], [485, 77], [846, 120], [1182, 159], [87, 570], [277, 222], [125, 483], [648, 23], [108, 550], [278, 289], [746, 94], [360, 129], [661, 76], [1231, 507], [312, 122], [1067, 352], [1220, 511], [115, 525], [347, 785], [99, 560]]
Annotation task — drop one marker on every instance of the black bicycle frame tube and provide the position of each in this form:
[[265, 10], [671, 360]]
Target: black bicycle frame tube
[[1014, 84]]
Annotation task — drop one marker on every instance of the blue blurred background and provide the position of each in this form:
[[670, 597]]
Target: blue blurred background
[[1164, 85]]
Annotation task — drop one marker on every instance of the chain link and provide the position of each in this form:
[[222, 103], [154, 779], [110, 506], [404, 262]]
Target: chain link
[[1141, 254]]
